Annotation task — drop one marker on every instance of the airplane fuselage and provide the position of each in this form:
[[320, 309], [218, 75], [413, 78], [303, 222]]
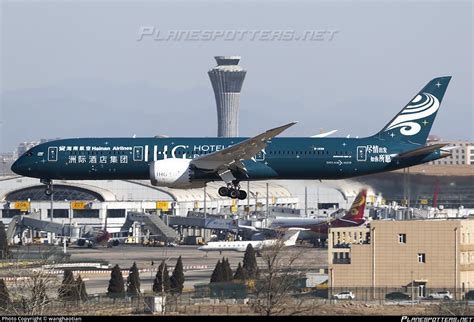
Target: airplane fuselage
[[236, 246], [283, 158]]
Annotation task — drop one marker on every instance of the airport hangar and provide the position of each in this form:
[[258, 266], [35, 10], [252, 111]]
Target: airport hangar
[[119, 197]]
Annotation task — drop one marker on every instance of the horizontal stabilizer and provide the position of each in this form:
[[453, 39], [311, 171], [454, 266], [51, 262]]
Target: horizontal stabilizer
[[420, 151]]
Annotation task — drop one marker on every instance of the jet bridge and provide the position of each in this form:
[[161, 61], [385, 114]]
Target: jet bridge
[[19, 223], [197, 220], [152, 222]]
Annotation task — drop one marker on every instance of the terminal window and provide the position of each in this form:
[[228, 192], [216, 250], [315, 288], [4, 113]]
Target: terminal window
[[59, 213], [116, 213], [86, 213], [421, 258], [10, 213], [402, 238]]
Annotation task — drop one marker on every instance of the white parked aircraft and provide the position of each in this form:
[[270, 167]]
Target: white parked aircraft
[[289, 239]]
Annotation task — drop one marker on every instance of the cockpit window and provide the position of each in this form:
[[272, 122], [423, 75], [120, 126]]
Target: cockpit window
[[29, 154]]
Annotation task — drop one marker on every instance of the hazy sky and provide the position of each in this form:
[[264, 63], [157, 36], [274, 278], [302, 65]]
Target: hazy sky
[[75, 68]]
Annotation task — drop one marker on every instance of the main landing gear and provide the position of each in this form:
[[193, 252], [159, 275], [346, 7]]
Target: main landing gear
[[233, 191]]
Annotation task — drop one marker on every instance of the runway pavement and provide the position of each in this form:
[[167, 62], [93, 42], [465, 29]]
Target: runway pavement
[[124, 255]]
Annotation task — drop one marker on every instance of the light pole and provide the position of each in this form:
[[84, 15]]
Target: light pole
[[306, 201], [29, 212], [248, 200], [256, 203], [52, 208], [205, 202], [70, 218], [266, 214], [372, 240]]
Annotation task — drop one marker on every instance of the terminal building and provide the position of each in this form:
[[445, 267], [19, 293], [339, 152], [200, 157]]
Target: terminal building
[[416, 257], [90, 202], [118, 197]]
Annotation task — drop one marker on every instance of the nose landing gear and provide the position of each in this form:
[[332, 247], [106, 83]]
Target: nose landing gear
[[233, 191], [49, 186]]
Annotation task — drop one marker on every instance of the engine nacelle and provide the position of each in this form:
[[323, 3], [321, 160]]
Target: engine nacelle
[[172, 173]]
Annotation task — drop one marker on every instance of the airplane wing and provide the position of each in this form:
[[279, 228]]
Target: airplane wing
[[420, 151], [276, 229], [323, 135], [250, 228], [230, 158]]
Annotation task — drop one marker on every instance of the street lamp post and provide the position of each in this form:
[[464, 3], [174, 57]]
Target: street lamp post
[[52, 209]]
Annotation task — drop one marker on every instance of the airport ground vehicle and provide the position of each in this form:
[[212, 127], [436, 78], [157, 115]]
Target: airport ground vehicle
[[397, 296], [443, 295], [346, 295]]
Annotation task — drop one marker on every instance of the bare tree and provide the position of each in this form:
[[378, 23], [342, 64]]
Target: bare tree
[[276, 282], [31, 289]]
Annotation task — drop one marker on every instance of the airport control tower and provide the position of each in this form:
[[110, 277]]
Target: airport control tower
[[227, 79]]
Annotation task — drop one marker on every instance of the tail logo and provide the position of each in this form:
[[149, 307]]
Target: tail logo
[[357, 203], [422, 106]]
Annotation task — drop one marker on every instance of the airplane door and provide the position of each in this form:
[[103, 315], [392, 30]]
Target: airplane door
[[260, 156], [137, 153], [53, 153], [361, 153]]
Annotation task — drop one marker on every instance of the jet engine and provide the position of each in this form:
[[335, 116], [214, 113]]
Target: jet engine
[[172, 173]]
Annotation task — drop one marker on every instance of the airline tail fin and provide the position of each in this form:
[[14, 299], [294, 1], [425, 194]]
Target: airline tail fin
[[356, 212], [291, 237], [413, 123]]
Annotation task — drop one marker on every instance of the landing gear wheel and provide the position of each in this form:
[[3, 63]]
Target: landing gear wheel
[[49, 186], [223, 192], [233, 193], [48, 191], [242, 195]]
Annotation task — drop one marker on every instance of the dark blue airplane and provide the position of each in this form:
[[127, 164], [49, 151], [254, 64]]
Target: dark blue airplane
[[191, 162]]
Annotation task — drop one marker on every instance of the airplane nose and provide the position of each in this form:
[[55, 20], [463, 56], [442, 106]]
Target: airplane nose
[[17, 167]]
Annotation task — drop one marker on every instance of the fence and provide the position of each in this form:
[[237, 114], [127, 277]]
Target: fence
[[195, 303]]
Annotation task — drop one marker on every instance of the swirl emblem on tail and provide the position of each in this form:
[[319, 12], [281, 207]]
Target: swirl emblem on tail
[[422, 106]]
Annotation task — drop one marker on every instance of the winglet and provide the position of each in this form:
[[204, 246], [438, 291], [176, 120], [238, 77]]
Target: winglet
[[282, 128]]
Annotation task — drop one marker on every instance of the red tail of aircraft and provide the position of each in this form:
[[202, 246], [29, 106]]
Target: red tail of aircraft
[[353, 217], [356, 212]]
